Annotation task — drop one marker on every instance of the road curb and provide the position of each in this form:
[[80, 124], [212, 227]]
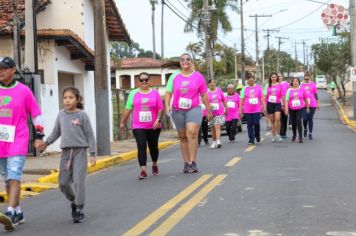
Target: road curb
[[342, 115], [105, 162]]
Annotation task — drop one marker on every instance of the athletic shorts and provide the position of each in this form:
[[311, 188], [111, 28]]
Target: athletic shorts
[[273, 107], [181, 117], [217, 120], [11, 168]]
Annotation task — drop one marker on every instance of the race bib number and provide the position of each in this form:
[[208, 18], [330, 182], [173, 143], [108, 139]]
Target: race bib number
[[231, 104], [145, 116], [295, 103], [185, 103], [272, 99], [214, 106], [7, 133], [253, 101]]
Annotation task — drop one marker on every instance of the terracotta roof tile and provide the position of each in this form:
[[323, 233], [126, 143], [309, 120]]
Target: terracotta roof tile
[[134, 63]]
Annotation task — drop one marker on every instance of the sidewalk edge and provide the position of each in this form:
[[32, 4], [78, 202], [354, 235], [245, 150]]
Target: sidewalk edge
[[342, 115]]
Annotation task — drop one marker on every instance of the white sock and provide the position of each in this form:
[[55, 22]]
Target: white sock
[[18, 210], [11, 209]]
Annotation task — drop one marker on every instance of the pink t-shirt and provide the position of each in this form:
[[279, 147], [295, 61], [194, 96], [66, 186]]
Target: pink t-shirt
[[311, 90], [186, 90], [285, 86], [252, 96], [296, 98], [17, 103], [274, 93], [145, 108], [233, 105], [216, 99]]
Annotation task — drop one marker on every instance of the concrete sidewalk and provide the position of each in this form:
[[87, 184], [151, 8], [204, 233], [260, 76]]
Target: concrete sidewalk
[[47, 163], [345, 110]]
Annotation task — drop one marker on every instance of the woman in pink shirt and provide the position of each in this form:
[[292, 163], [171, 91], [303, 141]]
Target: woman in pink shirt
[[284, 117], [232, 118], [147, 107], [274, 95], [185, 87], [312, 91], [251, 105], [218, 109], [295, 105]]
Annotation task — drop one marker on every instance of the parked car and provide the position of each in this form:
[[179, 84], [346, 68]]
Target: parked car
[[321, 82]]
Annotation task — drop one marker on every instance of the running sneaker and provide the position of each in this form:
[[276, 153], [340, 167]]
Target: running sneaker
[[305, 133], [18, 218], [186, 168], [7, 220], [218, 144], [284, 136], [155, 170], [310, 136], [143, 175], [206, 143], [194, 167], [300, 140], [274, 139], [213, 145], [279, 138], [78, 216], [294, 138], [258, 139], [251, 142]]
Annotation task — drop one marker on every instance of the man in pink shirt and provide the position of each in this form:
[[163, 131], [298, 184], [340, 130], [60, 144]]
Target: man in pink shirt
[[17, 103]]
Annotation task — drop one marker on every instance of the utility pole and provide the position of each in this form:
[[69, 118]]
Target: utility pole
[[303, 42], [101, 80], [256, 31], [162, 30], [279, 50], [153, 3], [242, 44], [352, 10], [30, 35], [268, 49], [235, 61], [207, 29], [16, 32], [296, 56]]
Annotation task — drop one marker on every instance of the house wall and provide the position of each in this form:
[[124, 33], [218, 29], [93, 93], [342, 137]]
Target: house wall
[[6, 47], [63, 14]]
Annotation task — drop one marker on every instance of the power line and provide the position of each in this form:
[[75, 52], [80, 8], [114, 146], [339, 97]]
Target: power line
[[176, 9], [169, 7]]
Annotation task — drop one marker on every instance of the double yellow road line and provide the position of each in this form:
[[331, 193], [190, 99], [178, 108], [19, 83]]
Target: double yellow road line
[[181, 212]]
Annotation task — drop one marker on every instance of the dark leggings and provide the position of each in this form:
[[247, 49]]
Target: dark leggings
[[308, 119], [203, 130], [296, 118], [253, 125], [144, 137], [284, 123], [231, 127]]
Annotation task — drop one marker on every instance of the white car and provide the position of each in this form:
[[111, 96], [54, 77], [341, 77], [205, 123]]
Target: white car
[[321, 82]]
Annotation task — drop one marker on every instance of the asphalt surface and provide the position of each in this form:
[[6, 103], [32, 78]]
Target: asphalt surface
[[273, 189]]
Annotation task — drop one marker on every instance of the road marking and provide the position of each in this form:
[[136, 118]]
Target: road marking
[[178, 215], [341, 233], [250, 148], [143, 225], [233, 161]]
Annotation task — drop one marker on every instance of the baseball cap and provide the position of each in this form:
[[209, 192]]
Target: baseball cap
[[7, 62]]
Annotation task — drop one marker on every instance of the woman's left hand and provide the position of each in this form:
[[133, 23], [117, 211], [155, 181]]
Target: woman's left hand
[[155, 125], [92, 161]]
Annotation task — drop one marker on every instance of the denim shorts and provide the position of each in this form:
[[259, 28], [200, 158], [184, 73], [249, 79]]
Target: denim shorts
[[11, 168]]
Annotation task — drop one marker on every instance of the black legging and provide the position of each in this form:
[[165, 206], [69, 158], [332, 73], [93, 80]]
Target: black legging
[[284, 124], [144, 137], [203, 130], [308, 119], [231, 127], [296, 118]]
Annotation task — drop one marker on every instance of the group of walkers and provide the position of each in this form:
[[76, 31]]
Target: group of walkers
[[193, 104]]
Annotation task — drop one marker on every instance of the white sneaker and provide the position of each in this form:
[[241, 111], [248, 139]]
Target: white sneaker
[[274, 139], [218, 143], [279, 138], [213, 144]]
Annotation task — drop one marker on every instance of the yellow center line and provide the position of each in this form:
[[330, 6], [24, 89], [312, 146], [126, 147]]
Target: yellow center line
[[233, 161], [178, 215], [143, 225], [250, 148]]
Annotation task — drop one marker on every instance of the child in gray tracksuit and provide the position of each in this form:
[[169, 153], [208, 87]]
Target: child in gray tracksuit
[[73, 125]]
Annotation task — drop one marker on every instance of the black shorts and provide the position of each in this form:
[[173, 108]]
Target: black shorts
[[273, 107]]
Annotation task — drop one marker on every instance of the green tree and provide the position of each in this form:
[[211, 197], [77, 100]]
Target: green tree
[[334, 60]]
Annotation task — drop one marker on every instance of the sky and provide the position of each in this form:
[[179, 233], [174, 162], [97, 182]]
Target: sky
[[297, 20]]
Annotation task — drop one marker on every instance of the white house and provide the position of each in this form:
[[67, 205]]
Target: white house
[[65, 50]]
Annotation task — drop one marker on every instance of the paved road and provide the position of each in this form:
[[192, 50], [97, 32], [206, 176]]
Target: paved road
[[272, 189]]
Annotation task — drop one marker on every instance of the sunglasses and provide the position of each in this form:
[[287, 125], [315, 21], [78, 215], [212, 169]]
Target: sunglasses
[[144, 80], [188, 59]]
